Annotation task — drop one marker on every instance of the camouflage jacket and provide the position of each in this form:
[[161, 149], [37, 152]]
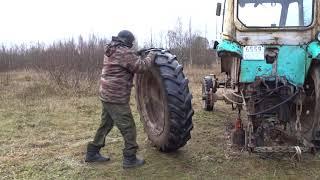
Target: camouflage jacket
[[119, 66]]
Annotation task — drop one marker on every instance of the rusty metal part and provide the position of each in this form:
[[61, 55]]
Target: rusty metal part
[[298, 126], [230, 98]]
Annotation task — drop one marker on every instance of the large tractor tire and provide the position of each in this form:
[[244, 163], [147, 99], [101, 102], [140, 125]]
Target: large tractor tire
[[310, 119], [164, 103]]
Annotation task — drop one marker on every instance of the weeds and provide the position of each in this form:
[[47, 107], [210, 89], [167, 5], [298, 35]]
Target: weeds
[[5, 79], [44, 132]]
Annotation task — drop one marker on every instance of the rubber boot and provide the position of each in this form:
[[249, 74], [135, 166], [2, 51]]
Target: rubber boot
[[132, 161], [93, 155]]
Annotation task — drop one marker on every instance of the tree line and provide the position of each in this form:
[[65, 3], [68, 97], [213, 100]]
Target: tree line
[[69, 62]]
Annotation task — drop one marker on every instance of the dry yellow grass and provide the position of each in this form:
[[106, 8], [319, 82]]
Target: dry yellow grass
[[44, 132]]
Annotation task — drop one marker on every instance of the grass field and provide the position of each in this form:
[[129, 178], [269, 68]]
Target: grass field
[[44, 132]]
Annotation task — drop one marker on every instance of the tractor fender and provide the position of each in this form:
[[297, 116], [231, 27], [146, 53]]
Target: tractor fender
[[313, 50], [229, 47]]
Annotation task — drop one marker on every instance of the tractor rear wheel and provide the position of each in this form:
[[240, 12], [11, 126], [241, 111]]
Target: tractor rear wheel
[[311, 114], [164, 103]]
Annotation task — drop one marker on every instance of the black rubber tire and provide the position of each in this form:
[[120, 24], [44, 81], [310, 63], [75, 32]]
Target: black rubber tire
[[311, 124], [207, 105], [168, 118]]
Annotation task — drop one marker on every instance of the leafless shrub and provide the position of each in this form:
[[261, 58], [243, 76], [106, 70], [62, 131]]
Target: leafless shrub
[[66, 63], [190, 47], [76, 64]]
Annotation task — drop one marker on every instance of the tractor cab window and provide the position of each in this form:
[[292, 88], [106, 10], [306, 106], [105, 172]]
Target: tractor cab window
[[275, 13]]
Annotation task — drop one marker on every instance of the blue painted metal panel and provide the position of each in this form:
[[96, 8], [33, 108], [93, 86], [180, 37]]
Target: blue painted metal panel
[[250, 69], [230, 46], [292, 63], [314, 50]]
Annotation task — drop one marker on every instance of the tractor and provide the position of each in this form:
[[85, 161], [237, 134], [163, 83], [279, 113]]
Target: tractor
[[270, 58]]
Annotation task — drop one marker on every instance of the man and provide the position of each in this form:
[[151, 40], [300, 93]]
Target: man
[[120, 64]]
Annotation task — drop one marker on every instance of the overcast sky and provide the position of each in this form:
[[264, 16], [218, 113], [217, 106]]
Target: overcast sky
[[24, 21]]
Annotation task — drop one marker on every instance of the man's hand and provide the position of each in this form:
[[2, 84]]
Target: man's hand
[[140, 52]]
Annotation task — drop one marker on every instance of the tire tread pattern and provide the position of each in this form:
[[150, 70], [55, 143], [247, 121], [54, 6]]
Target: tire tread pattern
[[179, 101]]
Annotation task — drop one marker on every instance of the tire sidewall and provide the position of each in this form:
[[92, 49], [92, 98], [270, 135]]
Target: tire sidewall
[[163, 137], [315, 74]]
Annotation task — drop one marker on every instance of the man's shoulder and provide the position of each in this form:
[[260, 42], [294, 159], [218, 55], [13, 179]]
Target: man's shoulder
[[127, 54]]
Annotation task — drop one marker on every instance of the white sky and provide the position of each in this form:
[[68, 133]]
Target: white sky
[[24, 21]]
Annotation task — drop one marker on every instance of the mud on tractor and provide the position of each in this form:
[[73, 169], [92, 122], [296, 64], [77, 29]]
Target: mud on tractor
[[270, 55]]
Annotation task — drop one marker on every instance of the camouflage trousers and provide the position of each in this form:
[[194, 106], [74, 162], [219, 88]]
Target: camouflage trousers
[[120, 115]]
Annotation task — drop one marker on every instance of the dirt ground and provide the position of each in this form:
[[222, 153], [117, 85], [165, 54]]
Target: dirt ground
[[44, 132]]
